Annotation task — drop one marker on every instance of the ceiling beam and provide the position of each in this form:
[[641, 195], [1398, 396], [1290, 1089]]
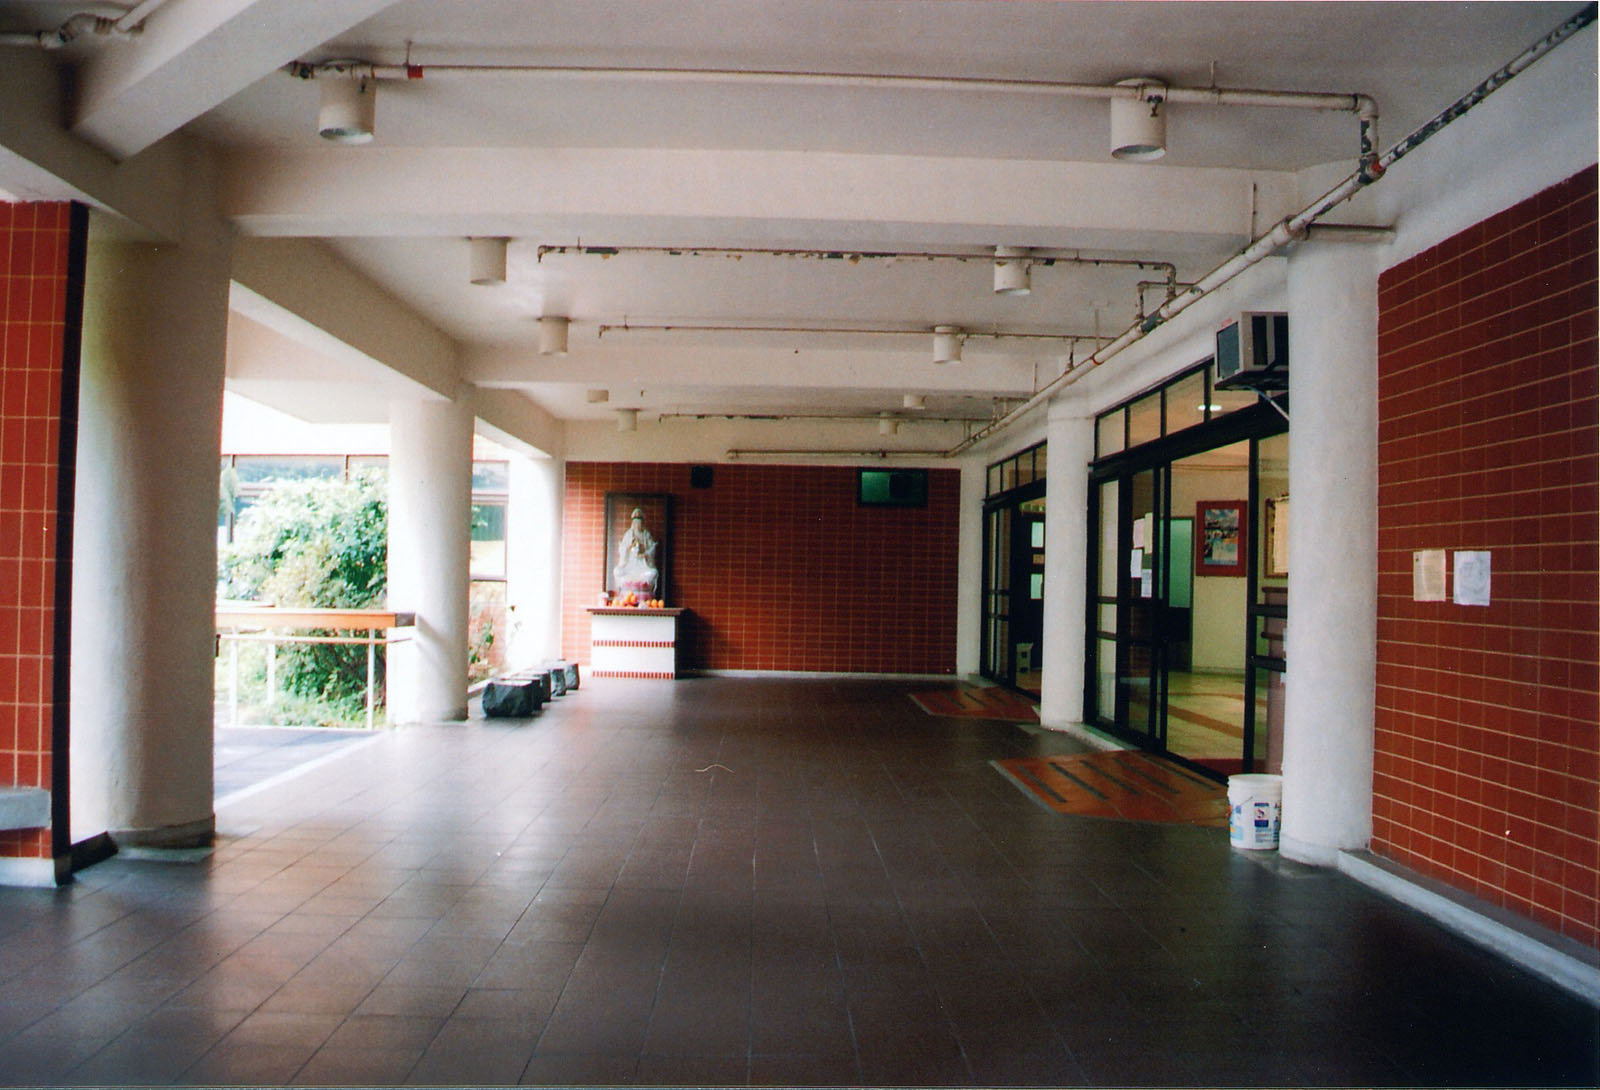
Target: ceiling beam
[[549, 193], [193, 55]]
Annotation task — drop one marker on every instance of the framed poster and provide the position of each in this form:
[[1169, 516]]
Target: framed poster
[[1276, 556], [637, 543], [1219, 538]]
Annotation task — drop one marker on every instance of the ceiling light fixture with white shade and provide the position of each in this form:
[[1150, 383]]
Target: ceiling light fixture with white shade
[[349, 103], [553, 335], [627, 419], [914, 401], [1139, 124], [947, 344], [487, 260], [1012, 271]]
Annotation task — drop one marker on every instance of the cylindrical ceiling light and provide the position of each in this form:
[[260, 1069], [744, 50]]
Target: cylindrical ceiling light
[[627, 419], [1012, 271], [488, 259], [599, 397], [553, 336], [349, 107], [946, 344], [913, 401], [887, 425], [1139, 125]]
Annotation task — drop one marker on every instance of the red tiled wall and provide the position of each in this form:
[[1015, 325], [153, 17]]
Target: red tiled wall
[[1488, 754], [780, 568], [34, 262]]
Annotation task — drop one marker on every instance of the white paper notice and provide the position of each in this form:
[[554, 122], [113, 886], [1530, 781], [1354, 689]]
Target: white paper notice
[[1141, 532], [1427, 575], [1147, 583], [1472, 578], [1136, 563]]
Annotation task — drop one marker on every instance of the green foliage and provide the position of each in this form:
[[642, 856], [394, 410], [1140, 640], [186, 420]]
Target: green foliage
[[315, 543]]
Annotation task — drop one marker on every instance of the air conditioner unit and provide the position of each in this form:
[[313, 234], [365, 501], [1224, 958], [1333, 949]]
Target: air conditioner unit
[[1253, 352]]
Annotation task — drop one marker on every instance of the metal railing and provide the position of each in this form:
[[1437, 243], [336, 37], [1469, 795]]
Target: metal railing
[[240, 623]]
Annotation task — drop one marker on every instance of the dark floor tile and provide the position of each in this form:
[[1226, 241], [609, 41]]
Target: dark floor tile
[[338, 1066], [581, 1070]]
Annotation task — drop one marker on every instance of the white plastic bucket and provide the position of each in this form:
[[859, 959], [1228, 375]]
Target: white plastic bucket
[[1255, 807]]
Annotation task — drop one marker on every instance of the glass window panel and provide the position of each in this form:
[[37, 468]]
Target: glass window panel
[[488, 544], [491, 476], [260, 469], [994, 480], [1144, 419], [1105, 690], [1227, 401], [1039, 463], [1008, 475], [1186, 402], [1109, 434], [1108, 617], [1267, 751], [1107, 582], [1024, 468]]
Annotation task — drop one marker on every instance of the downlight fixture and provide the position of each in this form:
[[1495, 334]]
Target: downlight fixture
[[1139, 124], [349, 105]]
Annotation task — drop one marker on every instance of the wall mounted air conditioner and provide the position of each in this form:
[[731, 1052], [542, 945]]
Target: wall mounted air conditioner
[[1253, 352]]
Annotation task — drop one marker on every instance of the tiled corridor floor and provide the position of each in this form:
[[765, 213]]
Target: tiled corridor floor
[[725, 881]]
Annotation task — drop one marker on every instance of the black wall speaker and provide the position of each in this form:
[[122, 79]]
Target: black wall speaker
[[699, 476]]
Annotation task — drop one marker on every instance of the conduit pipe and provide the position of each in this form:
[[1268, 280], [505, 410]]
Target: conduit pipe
[[1291, 229], [1034, 256], [629, 327], [127, 24], [1145, 90]]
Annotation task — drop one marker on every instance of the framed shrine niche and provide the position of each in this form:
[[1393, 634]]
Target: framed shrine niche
[[638, 544]]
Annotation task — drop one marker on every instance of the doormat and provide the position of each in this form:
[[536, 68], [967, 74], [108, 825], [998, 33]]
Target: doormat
[[969, 702], [1121, 784]]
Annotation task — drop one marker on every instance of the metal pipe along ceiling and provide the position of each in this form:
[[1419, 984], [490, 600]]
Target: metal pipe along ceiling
[[1364, 106]]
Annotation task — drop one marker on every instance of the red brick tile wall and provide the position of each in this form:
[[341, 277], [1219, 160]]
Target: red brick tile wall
[[36, 295], [780, 568], [1488, 754]]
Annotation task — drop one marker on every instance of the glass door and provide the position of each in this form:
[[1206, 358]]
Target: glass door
[[1129, 603], [997, 594]]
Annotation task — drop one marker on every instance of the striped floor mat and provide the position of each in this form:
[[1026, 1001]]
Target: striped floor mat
[[964, 701], [1121, 784]]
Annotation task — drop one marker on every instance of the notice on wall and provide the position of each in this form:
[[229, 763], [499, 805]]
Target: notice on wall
[[1135, 563], [1472, 578], [1427, 575]]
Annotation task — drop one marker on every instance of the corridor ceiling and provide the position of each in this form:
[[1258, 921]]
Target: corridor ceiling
[[590, 156]]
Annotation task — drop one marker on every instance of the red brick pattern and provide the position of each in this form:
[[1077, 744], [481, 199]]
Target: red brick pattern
[[34, 242], [780, 569], [1488, 752]]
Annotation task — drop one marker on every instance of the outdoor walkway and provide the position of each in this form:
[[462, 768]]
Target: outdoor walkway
[[727, 881]]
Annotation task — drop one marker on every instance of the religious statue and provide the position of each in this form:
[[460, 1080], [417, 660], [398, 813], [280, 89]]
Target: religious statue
[[636, 570]]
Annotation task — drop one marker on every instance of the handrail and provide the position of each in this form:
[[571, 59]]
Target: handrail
[[247, 623], [365, 620]]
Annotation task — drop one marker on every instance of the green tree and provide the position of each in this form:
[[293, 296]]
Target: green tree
[[315, 543]]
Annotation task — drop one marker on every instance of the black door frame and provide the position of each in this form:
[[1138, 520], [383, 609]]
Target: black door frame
[[1252, 424], [1010, 502]]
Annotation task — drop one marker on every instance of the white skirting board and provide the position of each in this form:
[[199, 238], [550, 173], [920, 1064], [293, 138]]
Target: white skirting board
[[1577, 971], [27, 872]]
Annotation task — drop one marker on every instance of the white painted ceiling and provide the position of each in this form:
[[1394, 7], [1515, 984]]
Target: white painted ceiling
[[668, 162]]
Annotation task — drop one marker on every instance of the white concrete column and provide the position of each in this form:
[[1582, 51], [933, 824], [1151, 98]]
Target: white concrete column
[[969, 570], [1331, 638], [145, 551], [533, 560], [430, 510], [1070, 435]]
